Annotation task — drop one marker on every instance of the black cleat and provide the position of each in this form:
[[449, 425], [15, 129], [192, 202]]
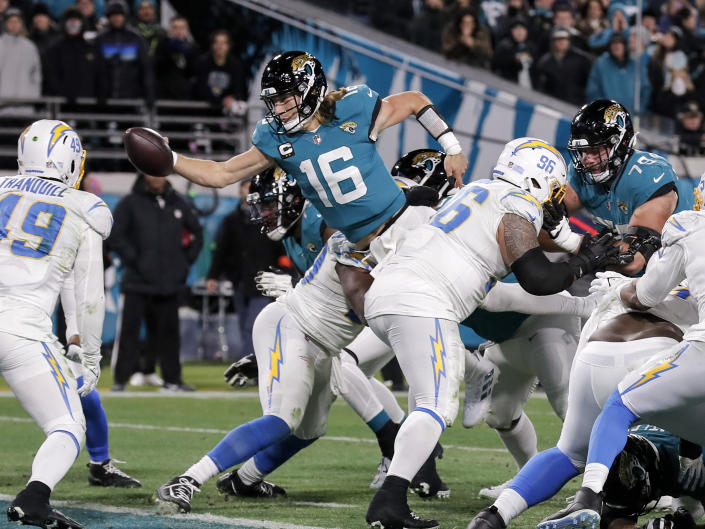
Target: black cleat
[[230, 484], [175, 495], [384, 513], [427, 483], [487, 519], [583, 513], [29, 509], [106, 474]]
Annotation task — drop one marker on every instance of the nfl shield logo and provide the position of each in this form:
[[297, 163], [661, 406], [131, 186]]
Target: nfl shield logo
[[316, 139]]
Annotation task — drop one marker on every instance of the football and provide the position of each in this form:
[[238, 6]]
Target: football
[[148, 151]]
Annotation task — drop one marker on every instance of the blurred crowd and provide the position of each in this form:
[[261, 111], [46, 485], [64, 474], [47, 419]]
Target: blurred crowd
[[574, 50], [112, 49]]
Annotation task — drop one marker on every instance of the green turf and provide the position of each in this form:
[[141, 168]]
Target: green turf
[[330, 471]]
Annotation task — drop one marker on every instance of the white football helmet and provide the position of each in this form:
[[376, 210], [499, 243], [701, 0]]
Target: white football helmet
[[50, 149], [535, 166]]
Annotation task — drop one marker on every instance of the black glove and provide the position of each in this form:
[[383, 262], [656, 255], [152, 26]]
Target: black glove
[[593, 255], [553, 214], [242, 372]]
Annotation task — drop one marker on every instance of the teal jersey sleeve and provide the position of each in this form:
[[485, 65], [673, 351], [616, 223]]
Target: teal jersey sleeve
[[644, 176], [303, 251], [337, 165], [686, 196]]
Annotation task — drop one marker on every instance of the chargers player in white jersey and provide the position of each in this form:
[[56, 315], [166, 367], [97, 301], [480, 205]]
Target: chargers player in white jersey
[[666, 390], [437, 278], [49, 228]]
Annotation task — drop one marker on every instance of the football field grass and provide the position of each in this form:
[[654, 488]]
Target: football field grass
[[159, 436]]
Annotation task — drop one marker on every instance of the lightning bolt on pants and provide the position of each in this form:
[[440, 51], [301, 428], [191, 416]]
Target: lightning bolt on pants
[[431, 355]]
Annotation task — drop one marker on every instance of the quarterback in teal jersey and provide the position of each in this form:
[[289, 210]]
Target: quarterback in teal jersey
[[326, 142], [627, 190]]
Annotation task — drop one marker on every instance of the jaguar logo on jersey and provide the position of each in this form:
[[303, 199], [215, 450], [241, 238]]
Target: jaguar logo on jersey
[[622, 207], [438, 358], [615, 114], [317, 139], [286, 150], [349, 127], [658, 370]]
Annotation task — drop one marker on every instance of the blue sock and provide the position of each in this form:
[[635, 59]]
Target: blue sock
[[609, 433], [247, 439], [96, 427], [543, 476], [378, 421], [275, 455]]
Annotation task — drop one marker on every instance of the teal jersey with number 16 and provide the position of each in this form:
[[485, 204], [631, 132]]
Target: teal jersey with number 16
[[337, 165]]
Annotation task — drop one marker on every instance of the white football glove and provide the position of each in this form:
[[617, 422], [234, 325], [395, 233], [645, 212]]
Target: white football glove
[[346, 253], [691, 474], [273, 285], [606, 281], [74, 353], [564, 237], [91, 373]]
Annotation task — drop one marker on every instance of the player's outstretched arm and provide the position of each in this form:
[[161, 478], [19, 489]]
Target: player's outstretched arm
[[504, 297], [396, 108], [210, 173], [90, 303]]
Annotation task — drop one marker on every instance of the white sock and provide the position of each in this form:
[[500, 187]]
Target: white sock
[[54, 459], [388, 400], [595, 476], [249, 473], [202, 471], [520, 440], [415, 441], [510, 505]]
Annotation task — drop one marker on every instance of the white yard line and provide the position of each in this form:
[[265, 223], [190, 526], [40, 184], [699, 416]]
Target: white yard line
[[199, 517], [186, 429]]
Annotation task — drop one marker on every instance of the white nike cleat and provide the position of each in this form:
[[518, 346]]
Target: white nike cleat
[[493, 492]]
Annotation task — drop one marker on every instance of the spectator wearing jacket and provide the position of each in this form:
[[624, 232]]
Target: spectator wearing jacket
[[465, 41], [126, 65], [221, 77], [563, 71], [618, 23], [147, 25], [515, 54], [20, 68], [71, 63], [242, 250], [175, 61], [612, 75], [42, 29], [157, 237]]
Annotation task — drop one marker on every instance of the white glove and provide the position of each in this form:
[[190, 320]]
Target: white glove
[[74, 353], [566, 238], [346, 253], [273, 285], [91, 373], [606, 281], [691, 474]]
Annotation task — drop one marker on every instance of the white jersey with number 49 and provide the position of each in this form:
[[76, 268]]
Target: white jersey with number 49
[[42, 224], [444, 269]]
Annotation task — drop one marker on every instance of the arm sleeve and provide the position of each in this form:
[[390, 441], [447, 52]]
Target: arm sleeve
[[539, 276], [90, 291], [663, 272], [68, 303], [504, 297]]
